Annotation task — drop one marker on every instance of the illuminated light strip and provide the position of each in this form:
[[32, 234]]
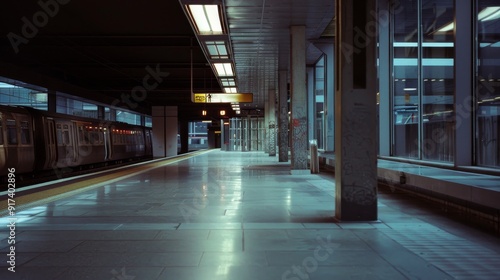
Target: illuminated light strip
[[207, 19], [425, 62], [489, 13], [432, 44], [224, 69], [46, 196]]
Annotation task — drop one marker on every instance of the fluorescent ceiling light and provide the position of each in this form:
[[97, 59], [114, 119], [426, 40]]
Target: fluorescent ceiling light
[[410, 89], [228, 82], [217, 49], [224, 69], [446, 28], [230, 90], [490, 13], [207, 19]]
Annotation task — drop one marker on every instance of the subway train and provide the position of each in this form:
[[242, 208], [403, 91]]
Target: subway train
[[38, 143]]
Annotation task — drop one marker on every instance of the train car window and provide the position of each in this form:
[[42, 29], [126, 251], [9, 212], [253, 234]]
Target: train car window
[[25, 133], [81, 139], [86, 137], [66, 139], [59, 135], [11, 132], [94, 136]]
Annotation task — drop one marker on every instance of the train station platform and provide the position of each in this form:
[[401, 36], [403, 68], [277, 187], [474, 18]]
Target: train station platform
[[230, 215]]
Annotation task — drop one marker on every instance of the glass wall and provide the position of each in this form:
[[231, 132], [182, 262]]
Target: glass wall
[[197, 136], [18, 93], [128, 117], [438, 85], [319, 100], [247, 134], [70, 106], [423, 80], [488, 83], [406, 80]]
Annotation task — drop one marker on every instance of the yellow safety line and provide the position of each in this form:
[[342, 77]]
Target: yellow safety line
[[49, 195]]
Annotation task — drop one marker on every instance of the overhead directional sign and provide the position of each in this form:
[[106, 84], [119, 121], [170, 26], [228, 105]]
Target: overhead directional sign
[[222, 97]]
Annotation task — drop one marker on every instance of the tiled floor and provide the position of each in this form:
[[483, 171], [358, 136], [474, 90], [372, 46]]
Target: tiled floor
[[231, 215]]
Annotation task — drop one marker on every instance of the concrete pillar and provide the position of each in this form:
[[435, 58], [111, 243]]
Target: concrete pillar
[[464, 86], [283, 116], [112, 114], [100, 112], [355, 112], [52, 101], [298, 95], [272, 122], [266, 126], [164, 131]]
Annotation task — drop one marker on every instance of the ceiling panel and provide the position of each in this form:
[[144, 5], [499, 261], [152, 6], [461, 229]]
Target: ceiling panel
[[101, 49]]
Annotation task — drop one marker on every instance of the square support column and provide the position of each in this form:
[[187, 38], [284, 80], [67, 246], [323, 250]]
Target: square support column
[[272, 122], [464, 75], [283, 116], [164, 131], [355, 112], [298, 94]]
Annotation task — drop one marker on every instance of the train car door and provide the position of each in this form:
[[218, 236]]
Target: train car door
[[51, 149], [74, 142], [108, 147], [65, 143]]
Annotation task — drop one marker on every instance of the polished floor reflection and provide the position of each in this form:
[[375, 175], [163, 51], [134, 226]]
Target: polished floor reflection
[[232, 215]]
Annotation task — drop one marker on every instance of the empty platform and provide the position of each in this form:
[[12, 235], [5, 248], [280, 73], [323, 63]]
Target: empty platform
[[233, 215]]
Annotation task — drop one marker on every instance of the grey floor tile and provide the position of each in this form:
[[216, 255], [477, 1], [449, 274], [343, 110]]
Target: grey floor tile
[[118, 260], [188, 234], [113, 273], [224, 272], [240, 216], [32, 273], [214, 259]]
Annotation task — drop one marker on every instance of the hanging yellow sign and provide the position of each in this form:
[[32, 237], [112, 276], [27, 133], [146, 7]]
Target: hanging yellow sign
[[222, 97]]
